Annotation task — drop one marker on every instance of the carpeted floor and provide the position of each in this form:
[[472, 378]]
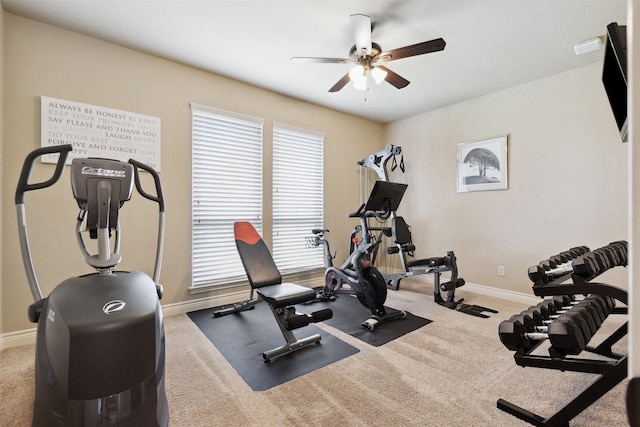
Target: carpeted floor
[[450, 373]]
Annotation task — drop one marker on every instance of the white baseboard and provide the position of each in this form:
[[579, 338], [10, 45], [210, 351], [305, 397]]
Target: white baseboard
[[28, 336], [485, 290], [17, 338], [203, 303], [501, 293]]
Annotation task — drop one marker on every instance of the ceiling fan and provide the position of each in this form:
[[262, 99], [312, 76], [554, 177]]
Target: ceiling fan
[[368, 56]]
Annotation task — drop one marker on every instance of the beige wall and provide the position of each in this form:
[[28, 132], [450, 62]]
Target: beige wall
[[45, 60], [567, 178]]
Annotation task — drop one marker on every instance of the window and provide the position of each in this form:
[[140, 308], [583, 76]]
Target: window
[[297, 197], [226, 187]]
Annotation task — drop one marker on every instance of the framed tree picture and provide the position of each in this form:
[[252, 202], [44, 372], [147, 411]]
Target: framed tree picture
[[482, 164]]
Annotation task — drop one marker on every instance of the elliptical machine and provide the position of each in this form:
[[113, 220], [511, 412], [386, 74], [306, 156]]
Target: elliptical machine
[[100, 346]]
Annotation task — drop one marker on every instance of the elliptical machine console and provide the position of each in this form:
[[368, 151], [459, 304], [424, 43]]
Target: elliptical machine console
[[100, 346]]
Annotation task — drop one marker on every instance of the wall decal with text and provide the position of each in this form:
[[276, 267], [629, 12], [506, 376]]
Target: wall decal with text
[[96, 131]]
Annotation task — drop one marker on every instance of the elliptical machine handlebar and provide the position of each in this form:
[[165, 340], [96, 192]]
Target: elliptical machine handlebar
[[159, 199], [23, 187], [23, 181]]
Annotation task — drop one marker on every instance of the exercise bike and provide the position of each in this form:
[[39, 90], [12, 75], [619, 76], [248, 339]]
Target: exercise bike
[[357, 272], [100, 345]]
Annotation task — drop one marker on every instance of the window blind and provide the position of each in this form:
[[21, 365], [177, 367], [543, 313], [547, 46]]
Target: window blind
[[297, 197], [226, 187]]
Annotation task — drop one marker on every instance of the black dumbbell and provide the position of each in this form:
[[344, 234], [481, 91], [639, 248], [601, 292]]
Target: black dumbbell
[[512, 333], [584, 266], [579, 250], [547, 264], [607, 257], [564, 304], [548, 309], [564, 334], [559, 259], [551, 305], [621, 249], [601, 305], [589, 314], [537, 314], [567, 336], [609, 254], [537, 274], [609, 302], [602, 259]]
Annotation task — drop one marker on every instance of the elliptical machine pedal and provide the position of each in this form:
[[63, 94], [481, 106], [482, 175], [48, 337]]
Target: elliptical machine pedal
[[100, 345]]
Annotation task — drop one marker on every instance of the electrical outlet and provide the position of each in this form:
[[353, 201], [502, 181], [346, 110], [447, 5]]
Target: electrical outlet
[[501, 270]]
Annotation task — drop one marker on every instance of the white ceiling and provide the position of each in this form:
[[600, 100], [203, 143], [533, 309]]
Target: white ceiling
[[491, 45]]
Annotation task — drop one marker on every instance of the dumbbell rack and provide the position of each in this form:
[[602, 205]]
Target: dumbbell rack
[[551, 278]]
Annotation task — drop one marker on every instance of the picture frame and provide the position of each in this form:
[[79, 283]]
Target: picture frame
[[482, 164]]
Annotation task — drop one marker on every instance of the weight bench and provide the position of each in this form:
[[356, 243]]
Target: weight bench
[[264, 277], [568, 325]]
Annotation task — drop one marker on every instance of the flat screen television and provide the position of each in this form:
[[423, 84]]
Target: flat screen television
[[614, 75]]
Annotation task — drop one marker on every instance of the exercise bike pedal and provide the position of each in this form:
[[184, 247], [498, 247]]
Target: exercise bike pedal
[[371, 323]]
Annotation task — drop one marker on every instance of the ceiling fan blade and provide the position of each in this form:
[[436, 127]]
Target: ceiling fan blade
[[309, 59], [341, 83], [413, 50], [361, 25], [394, 79]]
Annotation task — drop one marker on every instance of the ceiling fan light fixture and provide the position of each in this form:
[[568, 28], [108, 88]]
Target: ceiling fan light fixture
[[378, 75], [360, 84], [357, 73], [358, 76]]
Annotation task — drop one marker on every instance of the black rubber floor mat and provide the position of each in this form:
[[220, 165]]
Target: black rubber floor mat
[[242, 337], [348, 315]]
